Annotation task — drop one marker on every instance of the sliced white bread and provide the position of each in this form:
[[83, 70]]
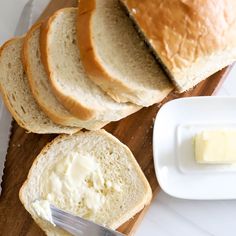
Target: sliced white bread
[[115, 57], [70, 83], [121, 183], [16, 93], [41, 88], [192, 39]]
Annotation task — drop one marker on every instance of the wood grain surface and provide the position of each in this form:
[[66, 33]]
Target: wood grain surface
[[135, 131]]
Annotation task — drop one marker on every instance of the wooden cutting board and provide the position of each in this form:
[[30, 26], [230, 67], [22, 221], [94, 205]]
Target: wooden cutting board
[[135, 131]]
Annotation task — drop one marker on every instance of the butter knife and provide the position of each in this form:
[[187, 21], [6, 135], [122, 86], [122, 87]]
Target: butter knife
[[78, 226], [5, 131]]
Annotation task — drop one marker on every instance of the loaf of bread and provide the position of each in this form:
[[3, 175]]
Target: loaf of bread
[[70, 83], [115, 57], [90, 174], [41, 89], [192, 39], [17, 96]]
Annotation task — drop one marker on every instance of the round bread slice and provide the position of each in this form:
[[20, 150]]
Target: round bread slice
[[17, 96], [115, 57], [122, 184], [41, 88], [70, 84]]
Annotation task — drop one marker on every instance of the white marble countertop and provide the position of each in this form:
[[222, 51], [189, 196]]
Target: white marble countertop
[[167, 216]]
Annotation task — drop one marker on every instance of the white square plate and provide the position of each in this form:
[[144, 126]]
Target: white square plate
[[176, 124]]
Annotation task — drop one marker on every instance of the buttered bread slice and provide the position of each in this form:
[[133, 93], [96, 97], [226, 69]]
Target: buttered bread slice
[[17, 96], [70, 83], [90, 174], [115, 56], [41, 88]]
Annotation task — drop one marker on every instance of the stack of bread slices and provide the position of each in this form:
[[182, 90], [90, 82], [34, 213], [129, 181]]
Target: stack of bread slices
[[79, 69]]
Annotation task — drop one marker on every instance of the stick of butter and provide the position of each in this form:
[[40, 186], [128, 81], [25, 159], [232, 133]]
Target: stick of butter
[[215, 147]]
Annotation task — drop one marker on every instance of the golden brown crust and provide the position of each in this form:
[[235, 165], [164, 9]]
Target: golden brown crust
[[88, 57], [185, 32], [72, 105], [62, 120], [4, 95], [29, 72], [190, 28]]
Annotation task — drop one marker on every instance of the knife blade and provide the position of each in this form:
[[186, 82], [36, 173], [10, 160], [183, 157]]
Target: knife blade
[[78, 226], [5, 117], [5, 131], [25, 19]]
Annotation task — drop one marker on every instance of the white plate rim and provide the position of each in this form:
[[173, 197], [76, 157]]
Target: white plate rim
[[156, 167]]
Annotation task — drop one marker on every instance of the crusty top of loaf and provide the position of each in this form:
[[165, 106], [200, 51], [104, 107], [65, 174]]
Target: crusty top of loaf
[[185, 31]]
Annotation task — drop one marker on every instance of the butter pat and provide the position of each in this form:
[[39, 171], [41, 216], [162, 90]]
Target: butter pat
[[215, 147], [70, 179], [77, 182]]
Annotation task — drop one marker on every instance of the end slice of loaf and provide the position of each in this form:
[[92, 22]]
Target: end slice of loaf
[[70, 83], [41, 88], [16, 93], [115, 56], [117, 165]]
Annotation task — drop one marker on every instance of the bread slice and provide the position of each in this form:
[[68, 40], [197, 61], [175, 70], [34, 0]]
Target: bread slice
[[69, 81], [192, 39], [115, 56], [117, 167], [17, 95], [41, 88]]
